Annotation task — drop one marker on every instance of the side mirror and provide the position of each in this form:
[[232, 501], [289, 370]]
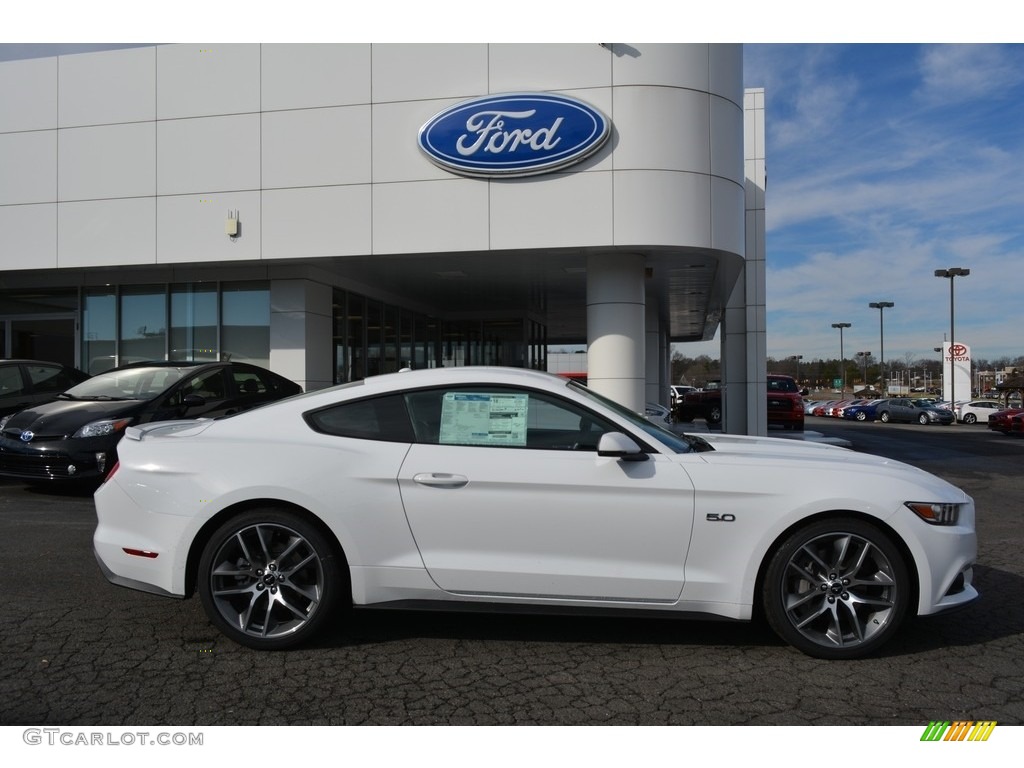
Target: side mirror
[[191, 401], [616, 445]]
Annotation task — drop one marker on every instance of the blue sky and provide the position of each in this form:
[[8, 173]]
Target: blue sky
[[886, 161]]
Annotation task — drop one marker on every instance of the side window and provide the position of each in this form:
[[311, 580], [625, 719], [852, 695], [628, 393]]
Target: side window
[[380, 418], [209, 385], [10, 381], [503, 418], [48, 378], [248, 383]]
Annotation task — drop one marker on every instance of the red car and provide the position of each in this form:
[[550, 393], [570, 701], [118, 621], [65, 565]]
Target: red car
[[1009, 422]]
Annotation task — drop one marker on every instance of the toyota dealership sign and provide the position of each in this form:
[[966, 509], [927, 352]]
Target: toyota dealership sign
[[956, 369], [513, 134]]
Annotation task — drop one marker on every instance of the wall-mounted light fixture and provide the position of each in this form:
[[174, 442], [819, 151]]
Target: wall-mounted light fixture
[[231, 227]]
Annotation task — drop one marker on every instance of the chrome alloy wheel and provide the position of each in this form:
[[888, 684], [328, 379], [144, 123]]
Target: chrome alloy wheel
[[266, 580], [837, 590]]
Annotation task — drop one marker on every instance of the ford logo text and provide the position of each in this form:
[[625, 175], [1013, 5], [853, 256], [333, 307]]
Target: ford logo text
[[513, 134]]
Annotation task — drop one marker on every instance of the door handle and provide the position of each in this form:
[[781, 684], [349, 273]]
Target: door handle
[[440, 480]]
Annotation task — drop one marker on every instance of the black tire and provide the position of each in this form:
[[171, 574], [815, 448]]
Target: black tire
[[884, 417], [922, 419], [270, 580], [861, 416], [714, 414], [969, 418], [837, 589]]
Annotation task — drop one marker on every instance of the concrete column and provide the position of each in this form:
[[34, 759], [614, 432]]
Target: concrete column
[[301, 323], [615, 327], [655, 388]]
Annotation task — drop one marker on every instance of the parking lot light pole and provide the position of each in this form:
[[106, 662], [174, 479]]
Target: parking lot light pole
[[951, 273], [842, 358], [797, 358], [864, 364], [881, 306]]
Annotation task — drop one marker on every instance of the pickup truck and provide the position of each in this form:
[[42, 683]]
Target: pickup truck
[[785, 405]]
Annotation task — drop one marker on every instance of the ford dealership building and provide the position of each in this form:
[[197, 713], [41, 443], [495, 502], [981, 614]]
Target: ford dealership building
[[337, 211]]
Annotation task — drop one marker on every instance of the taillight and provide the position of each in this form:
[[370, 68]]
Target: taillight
[[113, 469]]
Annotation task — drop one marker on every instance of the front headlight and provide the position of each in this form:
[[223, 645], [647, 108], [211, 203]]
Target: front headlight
[[5, 419], [936, 514], [102, 428]]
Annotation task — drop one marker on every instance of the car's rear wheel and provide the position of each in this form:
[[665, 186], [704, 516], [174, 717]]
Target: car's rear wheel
[[715, 414], [969, 418], [837, 589], [269, 579]]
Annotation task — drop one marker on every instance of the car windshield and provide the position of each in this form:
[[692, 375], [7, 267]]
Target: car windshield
[[142, 383], [678, 443]]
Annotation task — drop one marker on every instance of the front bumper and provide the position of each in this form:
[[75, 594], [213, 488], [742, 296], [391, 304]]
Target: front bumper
[[28, 461]]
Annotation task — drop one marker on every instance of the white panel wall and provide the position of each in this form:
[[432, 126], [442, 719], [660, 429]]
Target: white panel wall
[[678, 66], [562, 211], [430, 216], [108, 87], [316, 222], [107, 161], [22, 246], [396, 155], [28, 167], [298, 76], [107, 232], [547, 67], [208, 154], [316, 147], [28, 95], [662, 208], [201, 80], [330, 166], [190, 228], [437, 71], [676, 139]]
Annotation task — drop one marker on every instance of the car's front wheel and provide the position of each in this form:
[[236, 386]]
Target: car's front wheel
[[884, 417], [922, 419], [715, 414], [837, 589], [861, 416], [969, 418], [270, 579]]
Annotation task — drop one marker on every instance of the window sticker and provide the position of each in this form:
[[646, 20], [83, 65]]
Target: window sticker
[[470, 418]]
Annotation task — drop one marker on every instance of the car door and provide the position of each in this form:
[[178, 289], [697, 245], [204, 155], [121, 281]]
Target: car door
[[901, 409], [505, 495]]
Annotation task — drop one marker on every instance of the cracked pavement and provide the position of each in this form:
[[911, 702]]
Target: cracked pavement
[[79, 651]]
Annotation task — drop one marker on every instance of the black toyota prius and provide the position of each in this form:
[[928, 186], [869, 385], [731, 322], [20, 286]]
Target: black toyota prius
[[75, 437]]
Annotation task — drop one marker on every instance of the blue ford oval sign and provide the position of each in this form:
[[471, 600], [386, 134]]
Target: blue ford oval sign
[[513, 134]]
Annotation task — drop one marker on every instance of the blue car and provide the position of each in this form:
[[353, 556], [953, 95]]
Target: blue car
[[863, 412]]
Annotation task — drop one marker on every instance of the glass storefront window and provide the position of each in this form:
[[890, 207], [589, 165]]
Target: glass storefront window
[[99, 330], [194, 322], [143, 323], [355, 323], [245, 323]]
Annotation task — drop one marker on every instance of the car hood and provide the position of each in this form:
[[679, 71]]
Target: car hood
[[64, 417], [783, 452]]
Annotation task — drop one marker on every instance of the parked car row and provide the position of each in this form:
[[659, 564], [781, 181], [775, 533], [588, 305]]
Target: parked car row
[[921, 410], [900, 409]]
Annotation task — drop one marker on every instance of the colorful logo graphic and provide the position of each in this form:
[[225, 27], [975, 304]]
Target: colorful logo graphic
[[961, 730], [513, 134]]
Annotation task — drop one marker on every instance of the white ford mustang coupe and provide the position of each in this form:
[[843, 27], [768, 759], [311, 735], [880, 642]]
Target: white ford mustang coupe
[[470, 487]]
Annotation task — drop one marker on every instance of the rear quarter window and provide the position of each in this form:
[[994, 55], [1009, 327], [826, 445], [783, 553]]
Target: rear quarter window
[[379, 418]]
